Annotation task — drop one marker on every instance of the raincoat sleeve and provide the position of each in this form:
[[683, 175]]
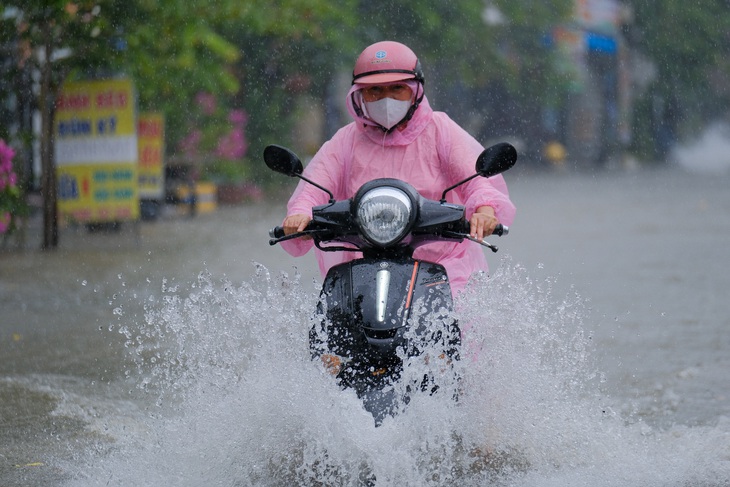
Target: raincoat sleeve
[[324, 169], [461, 151]]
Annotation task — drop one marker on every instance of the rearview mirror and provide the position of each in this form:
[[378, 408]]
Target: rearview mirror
[[492, 161], [496, 159], [282, 160]]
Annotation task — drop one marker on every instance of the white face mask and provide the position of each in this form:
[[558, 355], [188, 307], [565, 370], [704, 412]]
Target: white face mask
[[387, 111]]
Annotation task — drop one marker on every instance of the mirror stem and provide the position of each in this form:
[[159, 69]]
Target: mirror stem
[[332, 197], [443, 195]]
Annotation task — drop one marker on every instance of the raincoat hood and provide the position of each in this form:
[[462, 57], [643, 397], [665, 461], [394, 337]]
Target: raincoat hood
[[419, 120]]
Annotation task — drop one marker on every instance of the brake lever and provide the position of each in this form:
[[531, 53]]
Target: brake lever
[[291, 236], [491, 247], [499, 231]]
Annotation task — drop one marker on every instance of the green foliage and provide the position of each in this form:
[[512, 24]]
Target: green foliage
[[222, 171], [449, 37], [173, 52], [531, 66], [685, 39], [688, 44], [289, 48], [260, 55]]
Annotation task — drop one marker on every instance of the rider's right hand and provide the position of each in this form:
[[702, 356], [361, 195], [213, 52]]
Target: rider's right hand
[[296, 223]]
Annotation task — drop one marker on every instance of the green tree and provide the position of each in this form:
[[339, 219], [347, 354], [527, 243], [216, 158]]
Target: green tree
[[289, 48], [476, 54], [173, 51], [260, 55], [167, 47], [531, 67], [293, 48], [466, 44], [689, 44], [48, 29]]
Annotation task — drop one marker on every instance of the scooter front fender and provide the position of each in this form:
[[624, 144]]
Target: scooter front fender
[[368, 304]]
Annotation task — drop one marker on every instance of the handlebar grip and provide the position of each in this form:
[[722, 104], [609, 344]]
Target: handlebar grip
[[500, 230], [276, 232]]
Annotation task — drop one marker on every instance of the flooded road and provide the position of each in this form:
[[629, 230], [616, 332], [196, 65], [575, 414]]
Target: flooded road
[[645, 253]]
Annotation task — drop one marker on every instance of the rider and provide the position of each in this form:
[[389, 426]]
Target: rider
[[396, 134]]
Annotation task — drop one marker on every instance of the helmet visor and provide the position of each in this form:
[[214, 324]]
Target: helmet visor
[[380, 77]]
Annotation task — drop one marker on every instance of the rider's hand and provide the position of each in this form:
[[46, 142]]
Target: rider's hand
[[296, 223], [482, 222]]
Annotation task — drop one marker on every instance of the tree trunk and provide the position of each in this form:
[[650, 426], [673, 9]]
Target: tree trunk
[[48, 179]]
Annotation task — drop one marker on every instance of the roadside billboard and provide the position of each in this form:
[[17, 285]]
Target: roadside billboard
[[96, 151], [151, 147]]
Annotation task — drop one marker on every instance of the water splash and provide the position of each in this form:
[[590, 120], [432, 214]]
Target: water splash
[[232, 398]]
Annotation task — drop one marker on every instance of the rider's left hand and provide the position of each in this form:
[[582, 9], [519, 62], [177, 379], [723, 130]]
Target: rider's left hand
[[483, 222]]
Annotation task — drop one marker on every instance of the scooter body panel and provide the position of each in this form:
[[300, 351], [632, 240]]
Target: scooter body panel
[[376, 311]]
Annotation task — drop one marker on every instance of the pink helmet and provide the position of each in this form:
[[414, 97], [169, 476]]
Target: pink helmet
[[385, 62]]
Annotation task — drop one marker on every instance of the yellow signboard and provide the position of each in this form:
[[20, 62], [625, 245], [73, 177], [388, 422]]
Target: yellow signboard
[[96, 151], [151, 147]]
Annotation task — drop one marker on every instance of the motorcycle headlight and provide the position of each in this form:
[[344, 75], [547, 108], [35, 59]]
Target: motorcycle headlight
[[384, 215]]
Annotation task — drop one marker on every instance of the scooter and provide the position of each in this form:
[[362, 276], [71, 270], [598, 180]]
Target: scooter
[[385, 308]]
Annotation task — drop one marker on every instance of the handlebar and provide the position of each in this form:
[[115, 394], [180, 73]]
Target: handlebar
[[277, 235]]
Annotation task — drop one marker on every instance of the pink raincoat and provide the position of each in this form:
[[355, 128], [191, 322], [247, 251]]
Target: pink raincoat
[[431, 153]]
